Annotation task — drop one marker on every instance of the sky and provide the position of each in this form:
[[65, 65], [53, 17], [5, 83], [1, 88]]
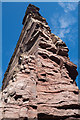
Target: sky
[[62, 17]]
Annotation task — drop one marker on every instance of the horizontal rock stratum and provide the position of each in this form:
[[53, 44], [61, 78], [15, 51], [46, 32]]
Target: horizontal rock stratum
[[39, 83]]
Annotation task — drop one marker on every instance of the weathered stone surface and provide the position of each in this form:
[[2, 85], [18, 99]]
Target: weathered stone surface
[[40, 80]]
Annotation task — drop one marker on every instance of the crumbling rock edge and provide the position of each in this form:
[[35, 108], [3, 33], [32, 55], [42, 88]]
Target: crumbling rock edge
[[40, 80]]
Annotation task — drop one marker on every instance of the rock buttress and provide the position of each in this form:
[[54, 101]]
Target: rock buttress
[[40, 79]]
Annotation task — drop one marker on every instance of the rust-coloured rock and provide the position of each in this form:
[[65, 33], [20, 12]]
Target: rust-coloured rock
[[39, 83]]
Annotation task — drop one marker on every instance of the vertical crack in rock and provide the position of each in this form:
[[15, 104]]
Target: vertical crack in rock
[[39, 83]]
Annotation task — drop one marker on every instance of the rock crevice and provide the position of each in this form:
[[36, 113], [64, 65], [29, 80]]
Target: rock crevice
[[39, 81]]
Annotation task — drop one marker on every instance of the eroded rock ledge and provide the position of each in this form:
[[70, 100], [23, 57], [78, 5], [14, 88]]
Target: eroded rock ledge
[[40, 80]]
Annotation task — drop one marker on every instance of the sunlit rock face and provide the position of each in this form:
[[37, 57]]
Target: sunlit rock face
[[39, 83]]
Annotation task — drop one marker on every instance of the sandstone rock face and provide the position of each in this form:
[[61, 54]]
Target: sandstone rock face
[[40, 80]]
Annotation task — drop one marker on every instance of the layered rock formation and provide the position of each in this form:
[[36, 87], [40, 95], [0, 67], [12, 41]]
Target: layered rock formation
[[40, 80]]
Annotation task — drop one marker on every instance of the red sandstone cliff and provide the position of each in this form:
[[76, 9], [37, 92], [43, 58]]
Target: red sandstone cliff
[[40, 80]]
